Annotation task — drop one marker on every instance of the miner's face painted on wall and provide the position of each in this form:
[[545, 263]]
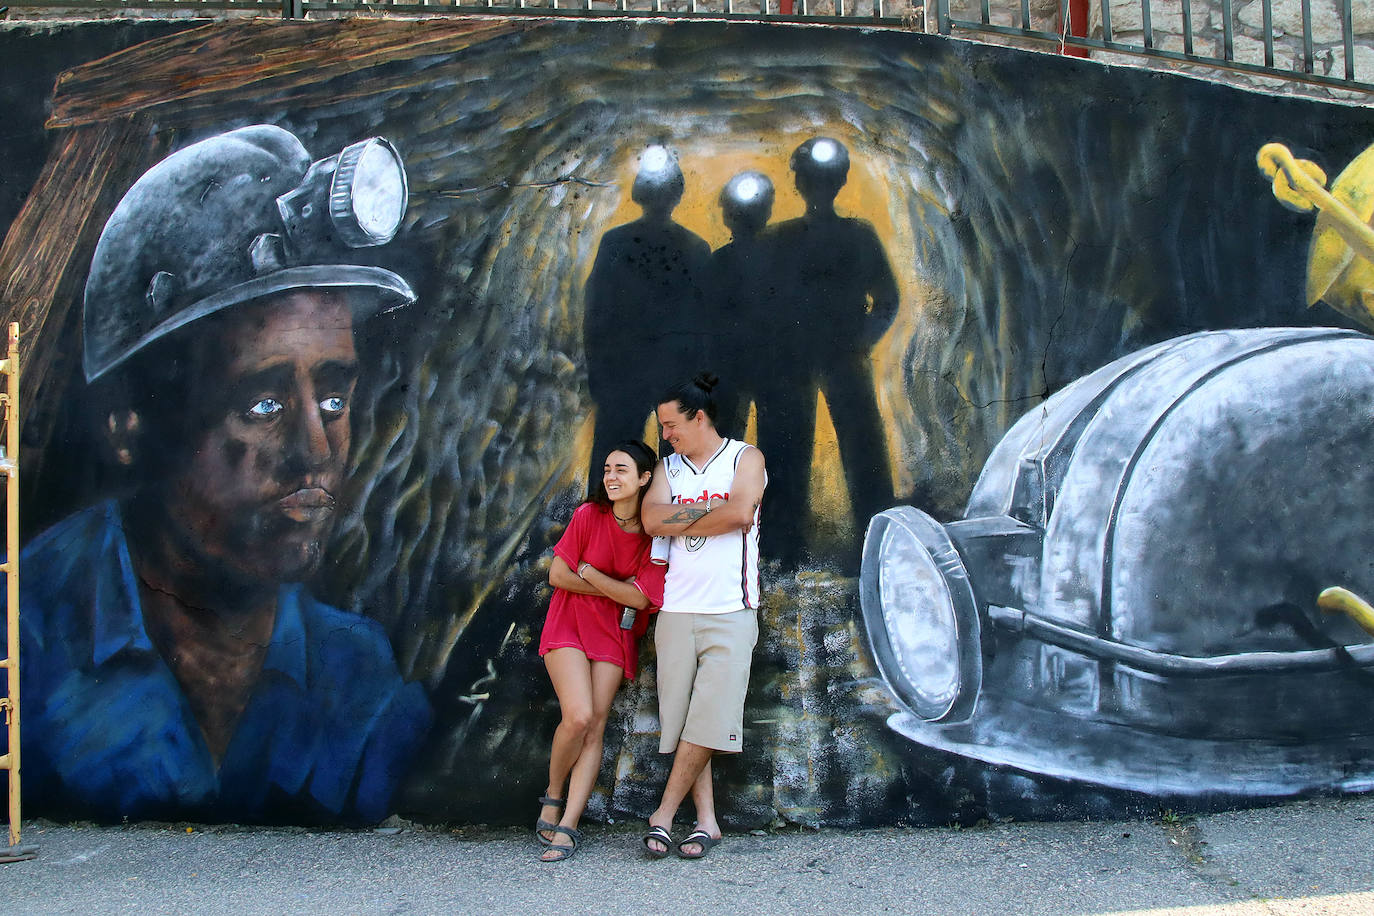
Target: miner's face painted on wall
[[256, 496]]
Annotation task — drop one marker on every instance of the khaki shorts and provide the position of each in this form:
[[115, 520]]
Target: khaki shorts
[[703, 674]]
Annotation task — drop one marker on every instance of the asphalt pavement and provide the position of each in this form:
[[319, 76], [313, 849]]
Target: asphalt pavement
[[1312, 857]]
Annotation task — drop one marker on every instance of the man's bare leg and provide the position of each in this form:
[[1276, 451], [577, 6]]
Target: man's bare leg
[[691, 763], [704, 797]]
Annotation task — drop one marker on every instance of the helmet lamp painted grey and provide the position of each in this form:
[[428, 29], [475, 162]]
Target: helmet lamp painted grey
[[234, 218]]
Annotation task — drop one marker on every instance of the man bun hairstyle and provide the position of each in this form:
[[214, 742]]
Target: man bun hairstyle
[[694, 396]]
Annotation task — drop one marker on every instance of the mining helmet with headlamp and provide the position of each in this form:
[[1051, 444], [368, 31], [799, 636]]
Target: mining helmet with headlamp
[[821, 160], [747, 198], [658, 178], [234, 218]]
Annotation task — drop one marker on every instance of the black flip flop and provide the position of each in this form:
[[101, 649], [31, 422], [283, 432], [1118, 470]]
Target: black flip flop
[[702, 839], [661, 835]]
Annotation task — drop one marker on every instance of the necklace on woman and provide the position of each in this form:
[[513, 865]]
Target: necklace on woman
[[622, 522]]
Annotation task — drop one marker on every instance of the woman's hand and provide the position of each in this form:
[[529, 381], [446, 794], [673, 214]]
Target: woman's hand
[[622, 591], [561, 575], [593, 581]]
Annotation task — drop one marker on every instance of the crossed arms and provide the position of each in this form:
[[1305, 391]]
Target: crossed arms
[[593, 581], [660, 515]]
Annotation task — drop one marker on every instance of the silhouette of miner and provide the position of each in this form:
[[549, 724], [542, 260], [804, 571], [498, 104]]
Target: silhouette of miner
[[741, 303], [836, 296], [645, 318]]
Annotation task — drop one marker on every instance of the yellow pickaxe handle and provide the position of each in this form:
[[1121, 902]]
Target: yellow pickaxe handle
[[1339, 600], [1301, 184]]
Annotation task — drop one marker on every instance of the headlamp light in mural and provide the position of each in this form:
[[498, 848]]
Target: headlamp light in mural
[[356, 198], [1131, 597], [929, 638], [746, 202], [657, 163], [821, 161], [237, 217], [658, 178], [748, 187]]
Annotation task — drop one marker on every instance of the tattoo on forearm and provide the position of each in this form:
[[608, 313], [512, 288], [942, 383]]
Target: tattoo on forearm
[[686, 515]]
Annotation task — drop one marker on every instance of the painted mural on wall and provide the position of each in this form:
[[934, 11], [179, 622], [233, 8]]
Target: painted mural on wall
[[294, 460]]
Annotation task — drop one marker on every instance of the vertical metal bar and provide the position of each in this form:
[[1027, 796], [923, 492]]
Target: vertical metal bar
[[839, 7], [11, 458], [1065, 18], [1307, 54], [1228, 32], [878, 11], [1106, 6], [1145, 24], [1188, 27], [1268, 9], [1348, 39], [985, 12], [942, 15], [1025, 15]]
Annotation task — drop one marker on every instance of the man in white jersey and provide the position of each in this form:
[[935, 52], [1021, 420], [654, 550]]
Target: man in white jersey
[[706, 496]]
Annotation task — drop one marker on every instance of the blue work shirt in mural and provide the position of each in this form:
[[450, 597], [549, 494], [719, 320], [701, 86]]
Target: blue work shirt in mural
[[329, 729]]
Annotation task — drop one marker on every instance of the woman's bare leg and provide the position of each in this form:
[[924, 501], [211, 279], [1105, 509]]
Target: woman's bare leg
[[571, 674], [606, 679]]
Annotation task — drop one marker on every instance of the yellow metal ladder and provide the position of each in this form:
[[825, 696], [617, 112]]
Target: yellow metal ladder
[[9, 702]]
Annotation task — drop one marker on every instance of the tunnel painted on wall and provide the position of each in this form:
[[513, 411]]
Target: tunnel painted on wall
[[1009, 223]]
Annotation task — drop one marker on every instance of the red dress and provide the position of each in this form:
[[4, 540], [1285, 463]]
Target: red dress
[[592, 622]]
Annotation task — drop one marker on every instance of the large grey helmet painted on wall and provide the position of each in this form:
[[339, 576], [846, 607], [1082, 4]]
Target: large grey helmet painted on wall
[[234, 218]]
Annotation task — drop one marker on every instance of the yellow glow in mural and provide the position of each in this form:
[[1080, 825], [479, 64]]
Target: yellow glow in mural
[[868, 194]]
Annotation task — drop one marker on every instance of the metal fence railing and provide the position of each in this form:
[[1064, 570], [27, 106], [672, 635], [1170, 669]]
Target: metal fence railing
[[1311, 41], [1265, 38]]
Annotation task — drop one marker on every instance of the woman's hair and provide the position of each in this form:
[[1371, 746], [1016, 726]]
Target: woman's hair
[[694, 396], [644, 459]]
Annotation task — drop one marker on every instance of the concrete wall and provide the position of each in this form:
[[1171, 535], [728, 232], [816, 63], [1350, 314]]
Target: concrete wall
[[1040, 219]]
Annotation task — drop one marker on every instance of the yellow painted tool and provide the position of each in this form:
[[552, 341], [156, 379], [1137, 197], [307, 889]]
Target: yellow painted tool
[[1340, 269], [1339, 600], [1340, 261]]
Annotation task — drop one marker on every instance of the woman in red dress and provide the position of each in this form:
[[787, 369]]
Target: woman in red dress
[[602, 570]]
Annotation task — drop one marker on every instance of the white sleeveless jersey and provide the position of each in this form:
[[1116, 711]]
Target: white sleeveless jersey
[[717, 574]]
